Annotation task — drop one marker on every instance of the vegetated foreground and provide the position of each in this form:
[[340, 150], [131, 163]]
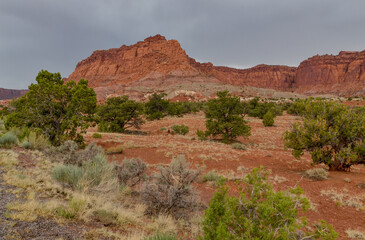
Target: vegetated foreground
[[337, 199]]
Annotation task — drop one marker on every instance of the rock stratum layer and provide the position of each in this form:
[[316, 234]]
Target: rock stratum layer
[[157, 62], [11, 93]]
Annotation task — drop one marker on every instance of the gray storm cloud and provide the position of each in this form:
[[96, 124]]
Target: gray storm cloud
[[55, 35]]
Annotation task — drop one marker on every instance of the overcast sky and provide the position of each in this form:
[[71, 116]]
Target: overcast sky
[[56, 34]]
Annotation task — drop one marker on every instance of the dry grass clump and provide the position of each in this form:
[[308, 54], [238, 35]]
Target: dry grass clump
[[278, 179], [114, 150], [211, 176], [355, 234], [171, 191], [238, 146], [317, 174], [8, 159], [342, 198], [94, 175], [36, 141]]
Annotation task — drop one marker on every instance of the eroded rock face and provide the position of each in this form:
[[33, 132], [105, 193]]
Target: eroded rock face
[[160, 62], [156, 61], [11, 93], [342, 74]]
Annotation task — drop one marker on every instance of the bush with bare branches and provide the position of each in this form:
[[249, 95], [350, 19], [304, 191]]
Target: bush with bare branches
[[172, 192]]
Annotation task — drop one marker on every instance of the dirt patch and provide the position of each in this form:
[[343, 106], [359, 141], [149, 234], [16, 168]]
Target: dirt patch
[[263, 148]]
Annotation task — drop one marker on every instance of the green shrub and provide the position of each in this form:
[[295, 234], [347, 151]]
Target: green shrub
[[96, 135], [318, 174], [2, 126], [331, 132], [156, 107], [74, 209], [98, 170], [180, 129], [8, 140], [255, 108], [224, 116], [161, 236], [238, 146], [62, 111], [172, 191], [201, 135], [69, 175], [26, 145], [259, 213], [96, 174], [119, 113], [268, 119]]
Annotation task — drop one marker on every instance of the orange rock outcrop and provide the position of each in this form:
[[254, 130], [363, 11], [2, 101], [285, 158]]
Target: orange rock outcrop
[[160, 62], [342, 74]]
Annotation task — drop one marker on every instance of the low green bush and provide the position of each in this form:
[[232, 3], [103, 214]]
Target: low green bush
[[8, 140], [268, 119], [180, 129], [26, 145], [69, 175], [96, 135], [96, 174], [258, 212]]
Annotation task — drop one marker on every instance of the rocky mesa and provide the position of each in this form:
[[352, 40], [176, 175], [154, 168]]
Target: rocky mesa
[[159, 62], [342, 74], [11, 93]]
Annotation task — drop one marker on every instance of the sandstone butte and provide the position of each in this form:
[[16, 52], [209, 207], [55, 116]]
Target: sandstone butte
[[10, 93], [160, 62]]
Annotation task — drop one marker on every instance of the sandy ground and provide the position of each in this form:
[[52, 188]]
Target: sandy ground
[[338, 200]]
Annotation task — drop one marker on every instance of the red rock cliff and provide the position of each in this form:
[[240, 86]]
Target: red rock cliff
[[156, 61], [342, 74], [11, 93]]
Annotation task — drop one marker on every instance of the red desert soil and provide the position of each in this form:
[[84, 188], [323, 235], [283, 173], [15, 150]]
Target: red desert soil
[[263, 148]]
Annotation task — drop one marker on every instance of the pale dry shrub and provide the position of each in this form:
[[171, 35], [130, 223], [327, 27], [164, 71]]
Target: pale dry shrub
[[96, 175], [131, 171], [163, 224], [172, 192], [355, 234], [36, 141], [341, 198], [238, 146], [317, 174], [211, 176], [69, 153], [115, 150]]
